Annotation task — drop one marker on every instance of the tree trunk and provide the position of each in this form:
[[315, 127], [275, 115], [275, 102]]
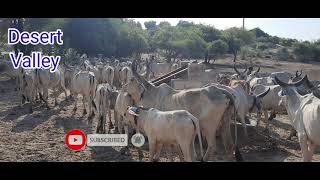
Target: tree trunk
[[235, 56], [206, 58]]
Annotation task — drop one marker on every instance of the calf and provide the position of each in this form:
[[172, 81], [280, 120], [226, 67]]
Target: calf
[[167, 128]]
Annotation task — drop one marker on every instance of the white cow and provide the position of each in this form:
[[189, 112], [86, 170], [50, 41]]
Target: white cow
[[84, 83], [167, 128], [103, 102], [304, 114], [122, 118], [54, 81]]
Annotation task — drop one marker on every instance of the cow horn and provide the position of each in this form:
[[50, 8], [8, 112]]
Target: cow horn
[[263, 94], [300, 81], [278, 81], [235, 69], [300, 73], [250, 69], [258, 69], [297, 74], [134, 67]]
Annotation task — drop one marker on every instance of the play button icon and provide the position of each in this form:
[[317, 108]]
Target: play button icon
[[75, 140]]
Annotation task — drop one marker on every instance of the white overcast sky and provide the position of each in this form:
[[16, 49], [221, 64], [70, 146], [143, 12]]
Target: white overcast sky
[[298, 28]]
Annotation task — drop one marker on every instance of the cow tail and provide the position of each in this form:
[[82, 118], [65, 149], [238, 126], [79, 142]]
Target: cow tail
[[91, 93], [197, 128], [100, 107]]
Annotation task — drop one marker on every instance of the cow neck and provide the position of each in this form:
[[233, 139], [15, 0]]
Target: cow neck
[[293, 101], [142, 93]]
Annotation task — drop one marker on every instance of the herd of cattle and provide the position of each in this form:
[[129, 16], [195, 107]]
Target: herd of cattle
[[176, 117]]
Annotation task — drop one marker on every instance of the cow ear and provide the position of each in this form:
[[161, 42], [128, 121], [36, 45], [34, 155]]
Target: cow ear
[[133, 111]]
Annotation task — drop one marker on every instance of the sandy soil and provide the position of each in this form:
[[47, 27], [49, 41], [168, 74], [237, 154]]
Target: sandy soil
[[40, 136]]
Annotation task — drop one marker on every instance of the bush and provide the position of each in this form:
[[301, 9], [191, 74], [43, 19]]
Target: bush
[[283, 54], [262, 46]]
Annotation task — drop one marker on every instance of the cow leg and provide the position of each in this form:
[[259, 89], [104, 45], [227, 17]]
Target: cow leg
[[192, 147], [31, 102], [120, 124], [265, 112], [244, 125], [98, 130], [227, 139], [304, 146], [46, 97], [16, 84], [258, 118], [55, 97], [84, 105], [272, 115], [65, 91], [211, 141], [158, 152], [109, 116], [186, 151], [311, 148], [293, 132], [170, 152], [152, 149], [90, 107], [126, 131], [36, 94], [75, 102]]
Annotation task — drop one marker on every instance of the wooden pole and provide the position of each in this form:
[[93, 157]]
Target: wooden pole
[[243, 24]]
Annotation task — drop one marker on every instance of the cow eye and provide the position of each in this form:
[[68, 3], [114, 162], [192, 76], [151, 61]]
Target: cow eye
[[131, 80]]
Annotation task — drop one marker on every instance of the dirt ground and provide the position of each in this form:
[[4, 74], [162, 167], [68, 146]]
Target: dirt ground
[[40, 136]]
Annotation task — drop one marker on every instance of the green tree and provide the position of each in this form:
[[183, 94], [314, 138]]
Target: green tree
[[209, 33], [216, 48], [151, 27], [235, 38], [302, 51]]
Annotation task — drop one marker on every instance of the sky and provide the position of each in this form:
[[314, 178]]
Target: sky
[[297, 28]]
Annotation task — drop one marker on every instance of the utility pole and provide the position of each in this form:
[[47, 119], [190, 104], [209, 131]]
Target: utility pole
[[243, 24]]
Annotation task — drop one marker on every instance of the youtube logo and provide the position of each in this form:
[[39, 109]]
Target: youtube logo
[[75, 140]]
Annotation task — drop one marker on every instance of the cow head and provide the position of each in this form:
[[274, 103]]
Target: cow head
[[139, 114], [297, 77], [287, 89], [133, 110], [241, 75], [137, 85], [257, 100]]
